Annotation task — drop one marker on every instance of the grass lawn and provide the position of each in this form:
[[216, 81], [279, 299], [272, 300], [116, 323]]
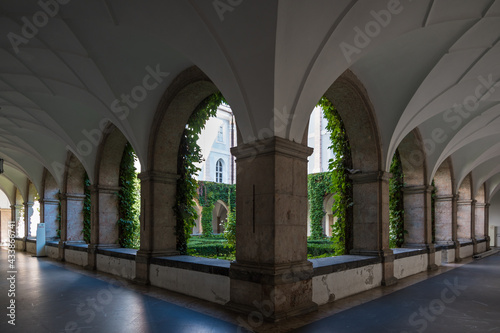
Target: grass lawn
[[216, 247]]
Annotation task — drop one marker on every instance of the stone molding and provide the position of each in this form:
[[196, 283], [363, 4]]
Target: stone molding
[[464, 202], [158, 177], [370, 177], [105, 189], [274, 145], [445, 198], [72, 196], [419, 189], [53, 202]]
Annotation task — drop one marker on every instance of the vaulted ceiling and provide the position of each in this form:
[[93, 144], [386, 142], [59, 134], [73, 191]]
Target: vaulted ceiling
[[67, 67]]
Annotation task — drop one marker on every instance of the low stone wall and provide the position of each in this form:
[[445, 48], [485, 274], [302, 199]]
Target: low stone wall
[[78, 257], [31, 246], [116, 263], [481, 247], [203, 278], [19, 244], [52, 251], [466, 251], [339, 277], [409, 262]]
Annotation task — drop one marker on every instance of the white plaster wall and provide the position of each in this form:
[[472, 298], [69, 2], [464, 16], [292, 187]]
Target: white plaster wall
[[31, 247], [117, 266], [466, 251], [210, 287], [76, 257], [52, 252], [334, 286], [411, 265], [481, 247]]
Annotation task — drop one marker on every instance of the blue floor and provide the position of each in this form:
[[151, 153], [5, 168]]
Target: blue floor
[[53, 299], [465, 299]]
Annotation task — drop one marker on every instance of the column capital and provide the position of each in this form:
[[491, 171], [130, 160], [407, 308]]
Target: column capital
[[464, 202], [370, 177], [72, 196], [105, 189], [29, 203], [274, 145], [158, 177], [418, 189], [441, 198], [49, 201]]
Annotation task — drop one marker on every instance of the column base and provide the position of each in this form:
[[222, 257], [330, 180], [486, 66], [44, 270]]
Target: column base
[[474, 246], [273, 292], [488, 239]]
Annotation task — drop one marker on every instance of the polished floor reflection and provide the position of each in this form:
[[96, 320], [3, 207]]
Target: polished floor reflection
[[51, 298]]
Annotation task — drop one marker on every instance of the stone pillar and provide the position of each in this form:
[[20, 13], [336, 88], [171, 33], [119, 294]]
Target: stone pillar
[[487, 225], [271, 267], [454, 227], [464, 220], [158, 220], [371, 220], [479, 220], [49, 212], [104, 218], [418, 221], [444, 220], [28, 213], [473, 226], [16, 216]]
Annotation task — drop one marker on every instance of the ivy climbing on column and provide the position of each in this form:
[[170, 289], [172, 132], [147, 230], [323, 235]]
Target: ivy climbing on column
[[129, 201], [189, 155], [319, 185], [396, 203], [341, 187]]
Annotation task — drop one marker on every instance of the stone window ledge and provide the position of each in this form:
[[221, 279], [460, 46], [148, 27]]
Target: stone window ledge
[[204, 265], [31, 240], [52, 243], [445, 247], [122, 253], [481, 240], [401, 253], [329, 265], [465, 243]]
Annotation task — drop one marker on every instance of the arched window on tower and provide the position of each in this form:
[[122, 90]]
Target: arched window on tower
[[218, 171]]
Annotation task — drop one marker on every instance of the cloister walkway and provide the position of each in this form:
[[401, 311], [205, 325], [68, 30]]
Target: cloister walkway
[[57, 297]]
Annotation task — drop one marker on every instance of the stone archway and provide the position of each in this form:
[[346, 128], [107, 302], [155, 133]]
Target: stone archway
[[158, 183], [49, 206], [72, 198], [219, 217]]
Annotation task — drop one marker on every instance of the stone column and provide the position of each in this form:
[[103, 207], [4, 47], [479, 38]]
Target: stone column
[[49, 211], [418, 221], [479, 220], [371, 220], [16, 216], [271, 268], [454, 227], [444, 220], [28, 213], [158, 220], [487, 225], [464, 221], [104, 218]]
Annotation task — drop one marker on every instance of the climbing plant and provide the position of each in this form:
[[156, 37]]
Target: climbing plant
[[86, 209], [129, 201], [341, 185], [396, 203], [318, 187], [189, 155], [208, 194]]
